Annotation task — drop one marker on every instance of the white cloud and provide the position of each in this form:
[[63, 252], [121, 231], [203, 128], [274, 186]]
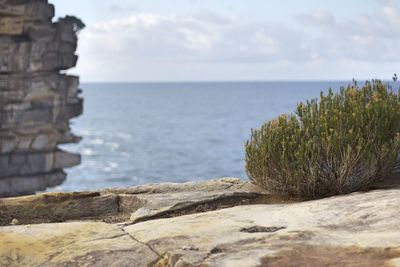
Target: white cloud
[[391, 13], [157, 43], [369, 37], [318, 17], [203, 37], [121, 9]]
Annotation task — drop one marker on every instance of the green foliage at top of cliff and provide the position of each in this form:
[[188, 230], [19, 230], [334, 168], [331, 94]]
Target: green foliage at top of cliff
[[76, 23], [337, 144]]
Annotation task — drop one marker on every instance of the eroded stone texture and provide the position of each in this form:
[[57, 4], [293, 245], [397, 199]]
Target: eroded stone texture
[[71, 244], [135, 204], [356, 230], [361, 229], [36, 100], [139, 203]]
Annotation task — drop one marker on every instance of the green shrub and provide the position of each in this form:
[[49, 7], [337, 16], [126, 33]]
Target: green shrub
[[335, 145]]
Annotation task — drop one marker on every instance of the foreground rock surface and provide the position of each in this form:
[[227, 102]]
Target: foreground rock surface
[[355, 230], [216, 223], [131, 205], [37, 100]]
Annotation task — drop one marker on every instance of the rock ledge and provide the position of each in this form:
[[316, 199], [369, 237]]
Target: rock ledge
[[224, 222]]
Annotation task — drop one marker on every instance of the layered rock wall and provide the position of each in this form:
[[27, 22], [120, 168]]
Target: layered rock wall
[[36, 99]]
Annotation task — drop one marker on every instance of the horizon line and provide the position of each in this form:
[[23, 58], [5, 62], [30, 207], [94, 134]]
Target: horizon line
[[231, 81]]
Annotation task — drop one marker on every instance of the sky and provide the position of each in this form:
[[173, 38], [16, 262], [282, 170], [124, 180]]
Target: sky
[[235, 40]]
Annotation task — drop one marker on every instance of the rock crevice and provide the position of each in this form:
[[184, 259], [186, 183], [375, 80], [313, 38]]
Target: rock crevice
[[69, 229], [37, 100]]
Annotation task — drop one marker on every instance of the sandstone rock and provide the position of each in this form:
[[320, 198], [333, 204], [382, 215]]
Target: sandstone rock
[[14, 222], [170, 200], [29, 184], [59, 207], [12, 165], [360, 229], [353, 230], [71, 244], [36, 100], [134, 204]]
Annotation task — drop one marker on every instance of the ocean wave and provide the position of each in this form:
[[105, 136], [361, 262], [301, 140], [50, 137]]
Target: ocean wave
[[96, 141], [88, 152], [110, 166], [113, 146], [123, 136]]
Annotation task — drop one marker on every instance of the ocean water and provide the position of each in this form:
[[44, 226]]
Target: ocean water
[[174, 132]]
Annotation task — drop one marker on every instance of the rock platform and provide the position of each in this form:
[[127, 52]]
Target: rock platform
[[223, 222]]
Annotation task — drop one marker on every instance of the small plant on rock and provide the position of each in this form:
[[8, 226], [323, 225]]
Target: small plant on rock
[[335, 145], [77, 24]]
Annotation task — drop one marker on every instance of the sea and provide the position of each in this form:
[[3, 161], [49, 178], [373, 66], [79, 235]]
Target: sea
[[139, 133]]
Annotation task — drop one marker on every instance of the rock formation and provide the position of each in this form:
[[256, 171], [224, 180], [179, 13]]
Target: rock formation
[[37, 99], [224, 222]]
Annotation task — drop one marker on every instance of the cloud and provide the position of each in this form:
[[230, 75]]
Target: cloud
[[122, 9], [202, 37], [368, 37], [318, 17], [314, 40]]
